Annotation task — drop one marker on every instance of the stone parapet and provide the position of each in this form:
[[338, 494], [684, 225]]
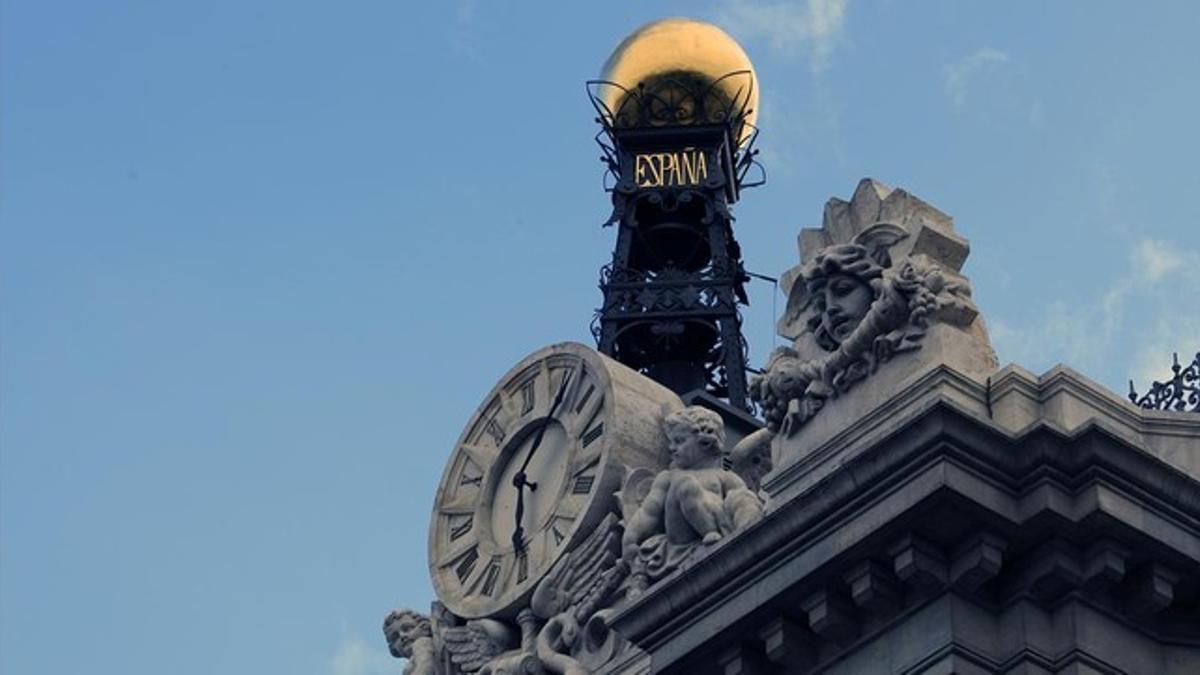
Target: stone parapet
[[1038, 524]]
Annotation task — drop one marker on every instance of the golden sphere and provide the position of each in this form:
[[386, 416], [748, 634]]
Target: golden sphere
[[683, 48]]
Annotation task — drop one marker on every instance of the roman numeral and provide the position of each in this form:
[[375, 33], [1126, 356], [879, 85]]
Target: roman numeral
[[466, 565], [470, 480], [496, 431], [583, 485], [528, 396], [462, 528], [489, 577], [592, 435], [561, 525], [522, 567], [584, 399]]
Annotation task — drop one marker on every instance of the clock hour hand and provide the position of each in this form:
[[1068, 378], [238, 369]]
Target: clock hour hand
[[518, 535]]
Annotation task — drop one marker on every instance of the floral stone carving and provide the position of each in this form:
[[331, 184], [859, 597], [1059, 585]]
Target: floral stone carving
[[873, 281]]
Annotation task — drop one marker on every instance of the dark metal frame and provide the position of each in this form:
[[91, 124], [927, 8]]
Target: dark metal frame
[[660, 304], [1180, 393]]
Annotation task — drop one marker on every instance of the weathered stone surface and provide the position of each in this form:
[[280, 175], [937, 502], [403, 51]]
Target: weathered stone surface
[[1104, 565], [1060, 480], [977, 561], [787, 643], [877, 300], [872, 587], [919, 563], [830, 615], [742, 659], [1152, 589]]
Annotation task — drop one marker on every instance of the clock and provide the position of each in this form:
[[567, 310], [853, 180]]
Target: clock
[[536, 469]]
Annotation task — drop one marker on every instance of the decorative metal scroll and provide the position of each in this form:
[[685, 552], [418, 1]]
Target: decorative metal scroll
[[681, 101], [676, 101], [1180, 393]]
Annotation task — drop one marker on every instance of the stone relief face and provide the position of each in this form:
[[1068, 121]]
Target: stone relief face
[[847, 300], [696, 445], [402, 630]]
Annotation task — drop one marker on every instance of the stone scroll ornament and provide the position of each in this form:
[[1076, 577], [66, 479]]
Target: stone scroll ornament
[[659, 523], [874, 280]]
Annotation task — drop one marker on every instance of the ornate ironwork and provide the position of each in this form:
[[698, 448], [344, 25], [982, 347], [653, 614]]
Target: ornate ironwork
[[680, 102], [676, 101], [1180, 393], [672, 291]]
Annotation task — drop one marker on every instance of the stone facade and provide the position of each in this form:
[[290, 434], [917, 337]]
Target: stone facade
[[908, 508], [930, 512], [1042, 525]]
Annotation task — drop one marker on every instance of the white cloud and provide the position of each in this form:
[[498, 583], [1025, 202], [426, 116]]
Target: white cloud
[[957, 76], [813, 27], [1157, 287], [355, 657], [462, 32], [1155, 259]]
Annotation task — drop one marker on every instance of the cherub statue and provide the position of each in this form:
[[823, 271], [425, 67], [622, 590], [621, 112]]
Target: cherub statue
[[695, 500], [409, 637]]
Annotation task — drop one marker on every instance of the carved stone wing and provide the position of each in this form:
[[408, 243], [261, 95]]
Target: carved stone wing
[[634, 490], [473, 645], [585, 575], [751, 458]]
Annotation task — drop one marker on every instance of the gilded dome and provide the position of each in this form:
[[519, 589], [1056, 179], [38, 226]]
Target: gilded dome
[[683, 50]]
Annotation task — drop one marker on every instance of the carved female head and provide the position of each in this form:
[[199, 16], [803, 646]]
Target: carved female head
[[843, 281]]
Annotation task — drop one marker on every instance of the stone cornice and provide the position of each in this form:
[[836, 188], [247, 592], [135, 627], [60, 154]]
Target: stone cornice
[[940, 445]]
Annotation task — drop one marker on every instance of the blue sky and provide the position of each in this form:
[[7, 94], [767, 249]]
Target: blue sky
[[260, 260]]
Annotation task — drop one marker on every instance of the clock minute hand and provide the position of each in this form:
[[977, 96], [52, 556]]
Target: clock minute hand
[[519, 480], [537, 441]]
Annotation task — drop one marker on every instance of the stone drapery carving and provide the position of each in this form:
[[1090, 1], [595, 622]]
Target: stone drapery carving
[[874, 279], [659, 521]]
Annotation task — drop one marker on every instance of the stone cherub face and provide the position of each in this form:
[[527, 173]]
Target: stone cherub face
[[695, 438], [843, 282], [403, 628]]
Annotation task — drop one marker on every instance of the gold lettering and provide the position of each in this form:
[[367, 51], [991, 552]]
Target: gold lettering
[[670, 169], [656, 170], [688, 160]]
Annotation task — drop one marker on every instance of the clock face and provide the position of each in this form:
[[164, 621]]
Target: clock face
[[477, 567]]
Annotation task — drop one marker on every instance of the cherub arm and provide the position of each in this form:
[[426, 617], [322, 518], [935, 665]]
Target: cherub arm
[[648, 519]]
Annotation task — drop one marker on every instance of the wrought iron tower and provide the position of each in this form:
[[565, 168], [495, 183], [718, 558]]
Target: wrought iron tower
[[678, 146]]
